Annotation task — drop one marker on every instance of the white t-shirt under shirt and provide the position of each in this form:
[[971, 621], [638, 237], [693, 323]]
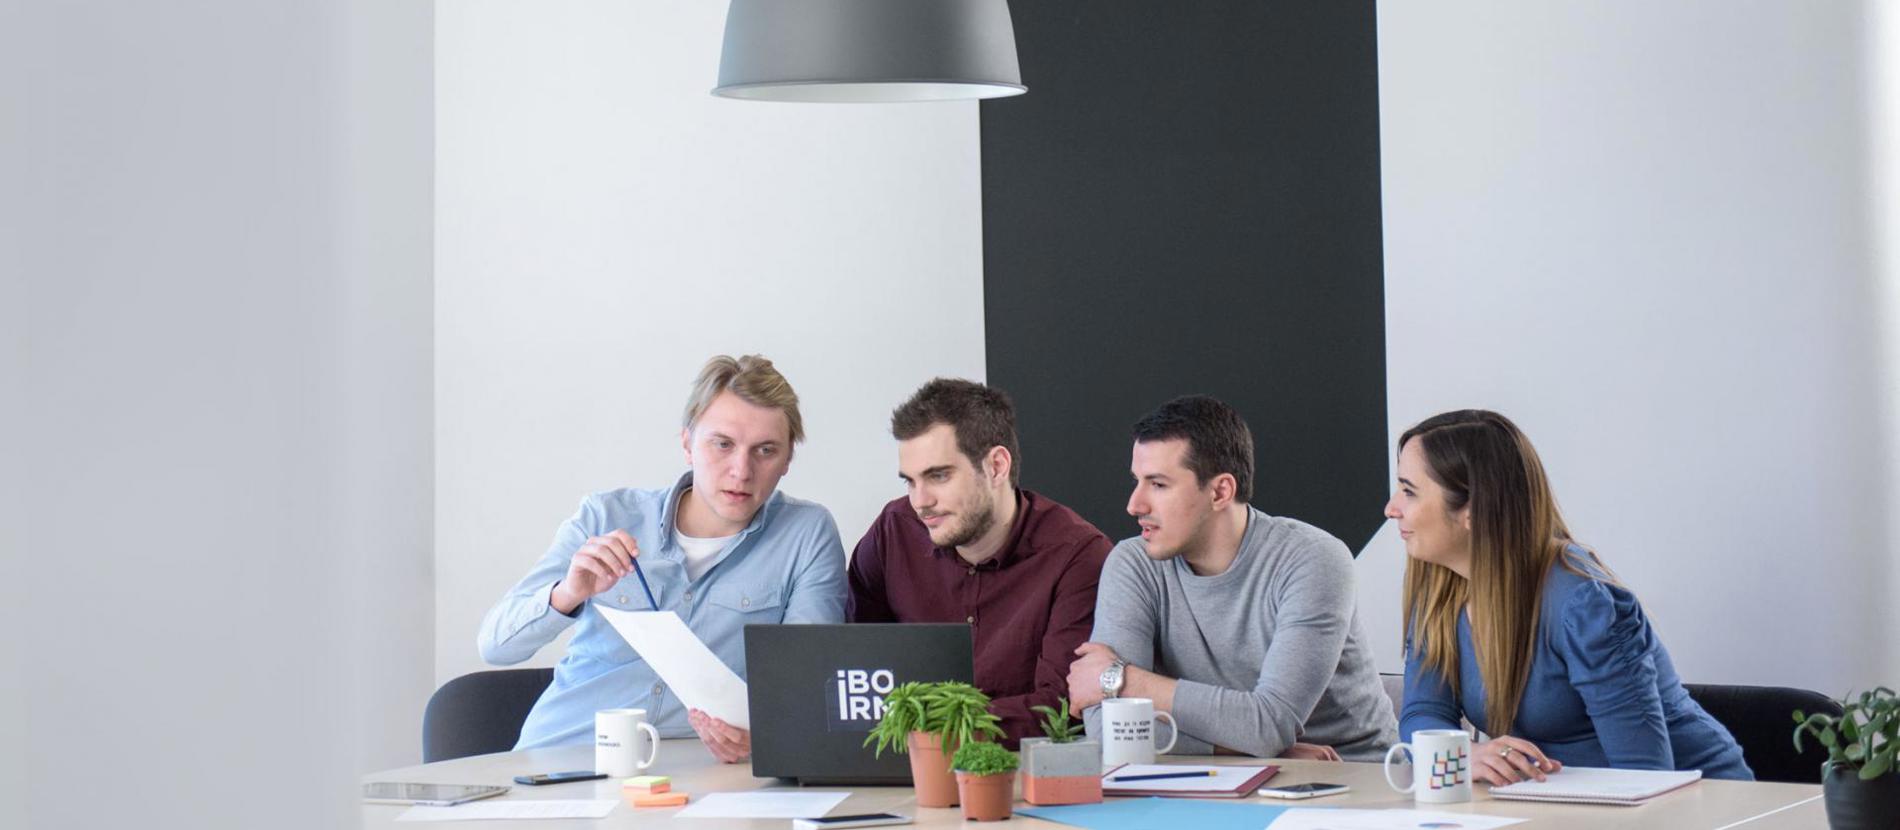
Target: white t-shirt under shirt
[[700, 553]]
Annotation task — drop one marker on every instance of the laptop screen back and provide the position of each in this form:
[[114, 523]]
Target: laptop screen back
[[815, 692]]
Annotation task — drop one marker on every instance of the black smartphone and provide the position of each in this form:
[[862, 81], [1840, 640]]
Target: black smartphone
[[559, 777], [1298, 791]]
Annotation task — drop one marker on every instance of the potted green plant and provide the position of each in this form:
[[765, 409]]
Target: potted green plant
[[1861, 784], [929, 721], [986, 780], [1065, 767]]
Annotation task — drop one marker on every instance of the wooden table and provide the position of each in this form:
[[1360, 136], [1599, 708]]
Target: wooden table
[[1717, 805]]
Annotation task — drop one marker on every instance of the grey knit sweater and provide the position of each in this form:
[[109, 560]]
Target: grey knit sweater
[[1268, 653]]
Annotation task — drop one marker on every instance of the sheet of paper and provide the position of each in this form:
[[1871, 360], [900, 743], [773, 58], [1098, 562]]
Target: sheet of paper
[[687, 666], [763, 804], [589, 808], [1224, 780], [1150, 813], [1597, 782], [1312, 818]]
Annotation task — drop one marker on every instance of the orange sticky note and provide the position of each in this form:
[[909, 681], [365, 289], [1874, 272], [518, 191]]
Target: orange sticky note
[[660, 800]]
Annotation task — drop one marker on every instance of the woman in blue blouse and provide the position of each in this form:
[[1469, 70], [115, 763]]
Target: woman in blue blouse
[[1514, 626]]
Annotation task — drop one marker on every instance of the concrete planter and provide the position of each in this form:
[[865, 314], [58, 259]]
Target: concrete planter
[[1055, 773]]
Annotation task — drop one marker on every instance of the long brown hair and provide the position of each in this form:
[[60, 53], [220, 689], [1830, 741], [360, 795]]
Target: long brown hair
[[1484, 463]]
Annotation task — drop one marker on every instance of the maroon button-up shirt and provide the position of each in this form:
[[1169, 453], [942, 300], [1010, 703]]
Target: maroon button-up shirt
[[1029, 606]]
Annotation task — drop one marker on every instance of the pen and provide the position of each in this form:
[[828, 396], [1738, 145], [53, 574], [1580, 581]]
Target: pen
[[1159, 775], [643, 583]]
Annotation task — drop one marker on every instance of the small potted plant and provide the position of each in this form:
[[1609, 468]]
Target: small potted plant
[[986, 780], [1065, 767], [930, 721], [1862, 784]]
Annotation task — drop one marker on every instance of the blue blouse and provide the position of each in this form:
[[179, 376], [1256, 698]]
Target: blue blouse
[[1602, 690]]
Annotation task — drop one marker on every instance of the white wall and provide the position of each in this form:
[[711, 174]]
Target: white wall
[[218, 219], [1643, 232], [604, 225]]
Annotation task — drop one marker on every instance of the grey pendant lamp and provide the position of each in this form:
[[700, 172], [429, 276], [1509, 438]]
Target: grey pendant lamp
[[845, 51]]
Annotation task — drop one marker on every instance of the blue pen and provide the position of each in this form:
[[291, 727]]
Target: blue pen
[[643, 583]]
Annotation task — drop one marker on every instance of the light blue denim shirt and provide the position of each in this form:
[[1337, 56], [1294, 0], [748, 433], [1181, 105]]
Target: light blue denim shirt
[[787, 566]]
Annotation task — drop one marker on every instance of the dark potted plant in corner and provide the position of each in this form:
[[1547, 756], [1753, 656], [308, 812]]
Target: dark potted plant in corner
[[1861, 785], [930, 721], [986, 779], [1063, 768]]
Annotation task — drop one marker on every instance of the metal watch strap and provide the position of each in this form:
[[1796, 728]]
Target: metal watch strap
[[1113, 678]]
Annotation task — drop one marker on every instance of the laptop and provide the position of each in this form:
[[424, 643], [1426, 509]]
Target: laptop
[[815, 691]]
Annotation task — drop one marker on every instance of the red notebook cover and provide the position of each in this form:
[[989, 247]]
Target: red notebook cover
[[1137, 788]]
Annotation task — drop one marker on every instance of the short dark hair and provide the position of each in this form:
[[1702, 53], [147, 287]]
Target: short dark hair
[[1217, 437], [981, 417]]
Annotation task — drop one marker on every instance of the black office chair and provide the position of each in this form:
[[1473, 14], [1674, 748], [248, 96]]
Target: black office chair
[[479, 713], [1762, 720]]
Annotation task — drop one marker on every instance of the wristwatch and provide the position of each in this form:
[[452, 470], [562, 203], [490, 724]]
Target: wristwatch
[[1112, 679]]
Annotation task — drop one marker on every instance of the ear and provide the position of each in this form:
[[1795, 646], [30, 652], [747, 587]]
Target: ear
[[1224, 486], [686, 444], [1464, 517], [998, 464]]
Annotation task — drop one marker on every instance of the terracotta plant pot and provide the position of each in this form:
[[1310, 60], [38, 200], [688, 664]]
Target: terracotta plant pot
[[930, 771], [1056, 773], [1853, 804], [986, 797]]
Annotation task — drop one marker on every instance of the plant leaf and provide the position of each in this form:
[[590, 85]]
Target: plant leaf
[[1882, 761]]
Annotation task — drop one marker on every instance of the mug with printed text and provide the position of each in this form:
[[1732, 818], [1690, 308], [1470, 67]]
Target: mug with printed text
[[621, 738], [1441, 766], [1128, 731]]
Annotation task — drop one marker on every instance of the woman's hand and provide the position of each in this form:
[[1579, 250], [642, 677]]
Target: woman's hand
[[1508, 760]]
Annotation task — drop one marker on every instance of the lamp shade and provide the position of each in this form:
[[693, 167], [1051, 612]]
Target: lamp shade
[[868, 50]]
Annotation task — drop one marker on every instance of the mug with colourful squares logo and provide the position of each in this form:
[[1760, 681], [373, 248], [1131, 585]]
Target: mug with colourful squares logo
[[1441, 766]]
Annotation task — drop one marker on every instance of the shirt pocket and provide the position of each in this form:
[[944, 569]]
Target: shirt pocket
[[753, 603]]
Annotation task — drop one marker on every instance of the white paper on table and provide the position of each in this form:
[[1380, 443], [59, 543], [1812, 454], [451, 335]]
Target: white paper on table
[[585, 808], [1311, 818], [763, 804], [685, 664]]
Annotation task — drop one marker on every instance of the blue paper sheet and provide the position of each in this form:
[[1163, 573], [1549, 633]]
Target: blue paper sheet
[[1152, 813]]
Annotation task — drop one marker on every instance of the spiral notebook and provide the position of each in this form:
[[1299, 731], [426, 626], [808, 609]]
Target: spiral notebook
[[1592, 785]]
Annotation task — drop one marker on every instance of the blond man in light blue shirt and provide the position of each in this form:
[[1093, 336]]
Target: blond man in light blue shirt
[[721, 547]]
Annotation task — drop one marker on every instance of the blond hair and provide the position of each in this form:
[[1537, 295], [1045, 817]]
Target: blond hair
[[754, 380], [1485, 464]]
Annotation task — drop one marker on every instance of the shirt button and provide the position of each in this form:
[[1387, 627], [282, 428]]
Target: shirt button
[[623, 600], [689, 596], [745, 603], [973, 572], [970, 620], [657, 688]]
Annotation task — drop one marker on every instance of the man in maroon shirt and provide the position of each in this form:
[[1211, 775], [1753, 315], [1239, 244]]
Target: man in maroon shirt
[[968, 545]]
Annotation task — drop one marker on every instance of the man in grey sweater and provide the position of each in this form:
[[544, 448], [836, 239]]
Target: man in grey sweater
[[1243, 626]]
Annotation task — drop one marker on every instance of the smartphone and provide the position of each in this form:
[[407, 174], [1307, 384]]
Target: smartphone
[[865, 820], [1294, 791], [432, 795], [559, 777]]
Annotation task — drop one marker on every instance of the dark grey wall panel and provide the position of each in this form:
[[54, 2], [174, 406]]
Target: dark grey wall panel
[[1187, 200]]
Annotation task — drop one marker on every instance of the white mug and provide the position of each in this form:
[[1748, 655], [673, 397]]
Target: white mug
[[1441, 766], [1128, 731], [621, 736]]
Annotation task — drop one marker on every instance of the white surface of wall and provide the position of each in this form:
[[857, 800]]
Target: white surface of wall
[[1642, 231], [604, 225], [1881, 42], [219, 217]]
